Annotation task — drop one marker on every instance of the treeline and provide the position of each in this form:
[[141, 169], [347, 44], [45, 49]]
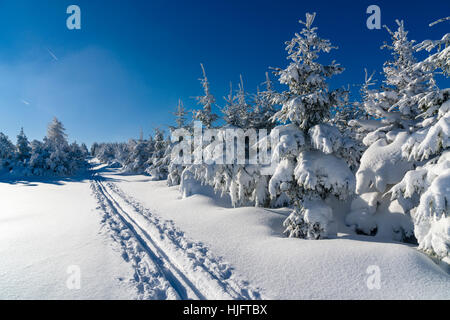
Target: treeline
[[142, 156], [53, 156]]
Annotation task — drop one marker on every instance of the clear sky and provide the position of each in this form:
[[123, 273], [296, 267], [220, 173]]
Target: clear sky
[[131, 60]]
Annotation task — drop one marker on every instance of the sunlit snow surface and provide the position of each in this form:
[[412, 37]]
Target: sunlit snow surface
[[133, 238]]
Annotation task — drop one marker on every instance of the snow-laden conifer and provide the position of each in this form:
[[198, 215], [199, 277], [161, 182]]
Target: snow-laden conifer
[[427, 187], [206, 101], [309, 172]]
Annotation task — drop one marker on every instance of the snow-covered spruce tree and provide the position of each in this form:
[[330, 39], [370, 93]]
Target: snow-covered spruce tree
[[249, 183], [226, 176], [58, 161], [84, 149], [104, 152], [230, 110], [77, 157], [348, 118], [38, 159], [195, 172], [396, 102], [23, 147], [121, 153], [94, 149], [22, 156], [174, 168], [428, 186], [160, 159], [205, 115], [180, 115], [394, 110], [264, 109], [352, 121], [240, 178], [7, 153], [140, 152], [245, 182], [394, 105], [309, 172], [114, 154], [56, 133], [243, 108]]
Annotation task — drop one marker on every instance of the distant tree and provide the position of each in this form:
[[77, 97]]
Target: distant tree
[[230, 111], [84, 149], [39, 155], [7, 152], [180, 115], [262, 114], [56, 134], [94, 149], [23, 147]]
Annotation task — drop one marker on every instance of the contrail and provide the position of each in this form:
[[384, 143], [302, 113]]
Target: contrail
[[25, 102], [52, 54]]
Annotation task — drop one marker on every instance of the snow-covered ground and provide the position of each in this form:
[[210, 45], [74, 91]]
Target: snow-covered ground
[[48, 232], [134, 238]]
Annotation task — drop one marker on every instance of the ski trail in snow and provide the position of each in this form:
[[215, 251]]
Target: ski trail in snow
[[148, 277], [174, 266]]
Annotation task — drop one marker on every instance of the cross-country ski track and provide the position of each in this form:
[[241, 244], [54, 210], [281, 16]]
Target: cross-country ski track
[[167, 265]]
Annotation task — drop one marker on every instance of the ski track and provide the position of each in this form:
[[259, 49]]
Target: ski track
[[167, 264]]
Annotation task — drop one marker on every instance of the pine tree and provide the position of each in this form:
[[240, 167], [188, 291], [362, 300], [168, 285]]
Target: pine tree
[[243, 108]]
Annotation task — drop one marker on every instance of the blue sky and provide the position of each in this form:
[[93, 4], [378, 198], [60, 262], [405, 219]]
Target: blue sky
[[132, 60]]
